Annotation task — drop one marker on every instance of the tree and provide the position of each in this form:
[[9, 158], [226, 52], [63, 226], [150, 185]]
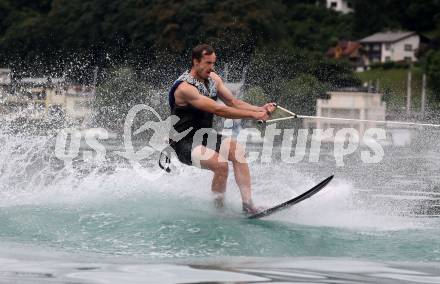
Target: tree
[[256, 96], [432, 67], [370, 18], [271, 66], [5, 9], [23, 33], [120, 91], [316, 28], [300, 94]]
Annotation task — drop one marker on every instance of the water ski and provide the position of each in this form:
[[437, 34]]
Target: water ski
[[292, 201]]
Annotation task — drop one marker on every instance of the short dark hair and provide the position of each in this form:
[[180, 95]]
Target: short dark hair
[[200, 50]]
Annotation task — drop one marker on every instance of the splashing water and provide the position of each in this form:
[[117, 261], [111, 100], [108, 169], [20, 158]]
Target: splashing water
[[368, 212]]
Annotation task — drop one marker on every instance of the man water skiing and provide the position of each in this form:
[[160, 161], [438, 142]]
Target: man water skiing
[[192, 98]]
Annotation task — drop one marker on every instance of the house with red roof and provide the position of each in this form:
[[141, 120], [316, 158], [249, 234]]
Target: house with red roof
[[352, 51]]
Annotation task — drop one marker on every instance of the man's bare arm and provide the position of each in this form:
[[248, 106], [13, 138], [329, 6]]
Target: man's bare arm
[[190, 95], [228, 98]]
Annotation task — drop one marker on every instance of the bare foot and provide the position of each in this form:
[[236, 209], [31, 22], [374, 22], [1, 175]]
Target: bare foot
[[219, 201], [250, 209]]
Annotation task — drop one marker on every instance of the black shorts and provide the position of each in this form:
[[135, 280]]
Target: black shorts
[[184, 147]]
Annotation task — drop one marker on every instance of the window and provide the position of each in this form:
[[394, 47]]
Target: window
[[376, 47], [81, 105], [387, 46], [40, 95], [408, 47], [333, 5], [346, 113], [387, 59], [408, 59], [349, 5]]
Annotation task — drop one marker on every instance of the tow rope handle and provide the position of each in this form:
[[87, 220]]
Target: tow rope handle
[[292, 115]]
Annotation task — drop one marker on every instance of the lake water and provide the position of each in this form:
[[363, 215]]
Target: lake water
[[107, 223]]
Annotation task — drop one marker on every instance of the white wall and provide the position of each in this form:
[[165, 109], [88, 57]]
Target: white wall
[[397, 50], [5, 76], [78, 107], [341, 6], [357, 105]]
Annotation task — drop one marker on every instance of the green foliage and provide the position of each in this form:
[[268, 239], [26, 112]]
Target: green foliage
[[390, 65], [315, 28], [120, 91], [280, 39], [300, 94], [271, 67], [433, 72], [415, 15], [122, 30], [256, 96], [5, 10], [337, 73], [133, 31], [393, 84], [229, 25]]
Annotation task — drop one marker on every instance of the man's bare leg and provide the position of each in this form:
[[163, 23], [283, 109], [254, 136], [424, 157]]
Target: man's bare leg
[[243, 180], [211, 160], [218, 163], [236, 154]]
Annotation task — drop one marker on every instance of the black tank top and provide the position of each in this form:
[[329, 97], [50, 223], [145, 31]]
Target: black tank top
[[188, 115]]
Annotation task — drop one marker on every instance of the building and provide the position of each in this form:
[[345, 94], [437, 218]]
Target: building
[[5, 76], [342, 6], [391, 47], [30, 98], [5, 81], [352, 51], [351, 105], [78, 102], [43, 98], [5, 89]]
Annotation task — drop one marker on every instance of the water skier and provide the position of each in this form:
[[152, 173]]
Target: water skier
[[193, 98]]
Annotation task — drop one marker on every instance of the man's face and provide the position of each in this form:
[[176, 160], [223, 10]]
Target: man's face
[[205, 66]]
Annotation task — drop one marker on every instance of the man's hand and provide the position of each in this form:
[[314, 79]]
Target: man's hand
[[265, 112], [270, 107], [261, 115]]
